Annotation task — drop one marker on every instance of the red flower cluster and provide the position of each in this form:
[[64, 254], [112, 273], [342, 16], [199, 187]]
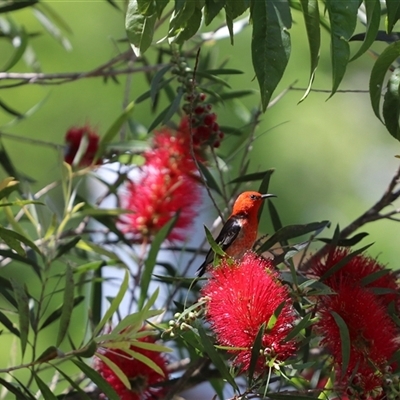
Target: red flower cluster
[[372, 332], [84, 140], [242, 297], [167, 186], [144, 380], [203, 124]]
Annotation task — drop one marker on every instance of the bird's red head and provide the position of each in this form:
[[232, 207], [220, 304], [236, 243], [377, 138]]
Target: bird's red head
[[249, 202]]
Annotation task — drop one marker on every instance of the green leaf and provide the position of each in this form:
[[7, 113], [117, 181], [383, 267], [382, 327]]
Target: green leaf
[[343, 262], [343, 19], [156, 89], [24, 260], [393, 14], [382, 64], [68, 305], [82, 394], [344, 339], [12, 388], [349, 242], [145, 360], [114, 129], [168, 111], [52, 29], [67, 247], [114, 304], [7, 6], [22, 299], [97, 379], [44, 388], [150, 262], [256, 176], [391, 104], [209, 178], [182, 13], [274, 317], [7, 186], [116, 370], [292, 231], [156, 81], [213, 244], [216, 359], [9, 238], [367, 280], [275, 219], [255, 353], [191, 27], [373, 13], [139, 27], [211, 9], [304, 323], [311, 20], [270, 44], [8, 324], [21, 43]]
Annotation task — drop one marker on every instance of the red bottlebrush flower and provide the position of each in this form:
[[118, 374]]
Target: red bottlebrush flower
[[167, 186], [242, 297], [142, 378], [358, 268], [372, 335], [84, 140]]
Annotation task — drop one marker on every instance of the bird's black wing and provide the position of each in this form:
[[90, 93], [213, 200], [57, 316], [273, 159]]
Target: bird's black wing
[[228, 234]]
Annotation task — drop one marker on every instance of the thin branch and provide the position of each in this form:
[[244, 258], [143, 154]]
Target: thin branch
[[104, 70], [373, 214]]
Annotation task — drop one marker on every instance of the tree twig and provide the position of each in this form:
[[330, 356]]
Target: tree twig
[[373, 214]]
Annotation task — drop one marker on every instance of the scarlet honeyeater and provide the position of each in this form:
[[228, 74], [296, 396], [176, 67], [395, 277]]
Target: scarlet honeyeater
[[240, 230]]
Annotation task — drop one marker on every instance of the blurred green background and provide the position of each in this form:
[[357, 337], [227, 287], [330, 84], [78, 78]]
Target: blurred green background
[[333, 158]]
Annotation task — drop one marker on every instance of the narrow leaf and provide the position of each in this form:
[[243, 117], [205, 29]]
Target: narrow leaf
[[373, 13], [113, 130], [150, 262], [114, 304], [270, 45], [44, 388], [382, 64], [97, 379], [290, 232], [82, 394], [256, 176], [345, 341], [8, 324], [67, 247], [68, 305], [299, 327], [209, 178], [117, 370], [155, 83], [343, 262], [216, 359], [7, 233], [391, 104], [255, 353], [393, 14], [311, 19], [23, 312], [343, 19], [213, 244]]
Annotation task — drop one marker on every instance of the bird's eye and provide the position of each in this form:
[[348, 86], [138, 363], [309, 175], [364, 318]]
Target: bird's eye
[[253, 196]]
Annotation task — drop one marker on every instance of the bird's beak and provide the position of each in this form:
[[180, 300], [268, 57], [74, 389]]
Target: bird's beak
[[266, 196]]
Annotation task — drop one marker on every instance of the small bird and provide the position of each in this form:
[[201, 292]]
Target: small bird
[[240, 230]]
